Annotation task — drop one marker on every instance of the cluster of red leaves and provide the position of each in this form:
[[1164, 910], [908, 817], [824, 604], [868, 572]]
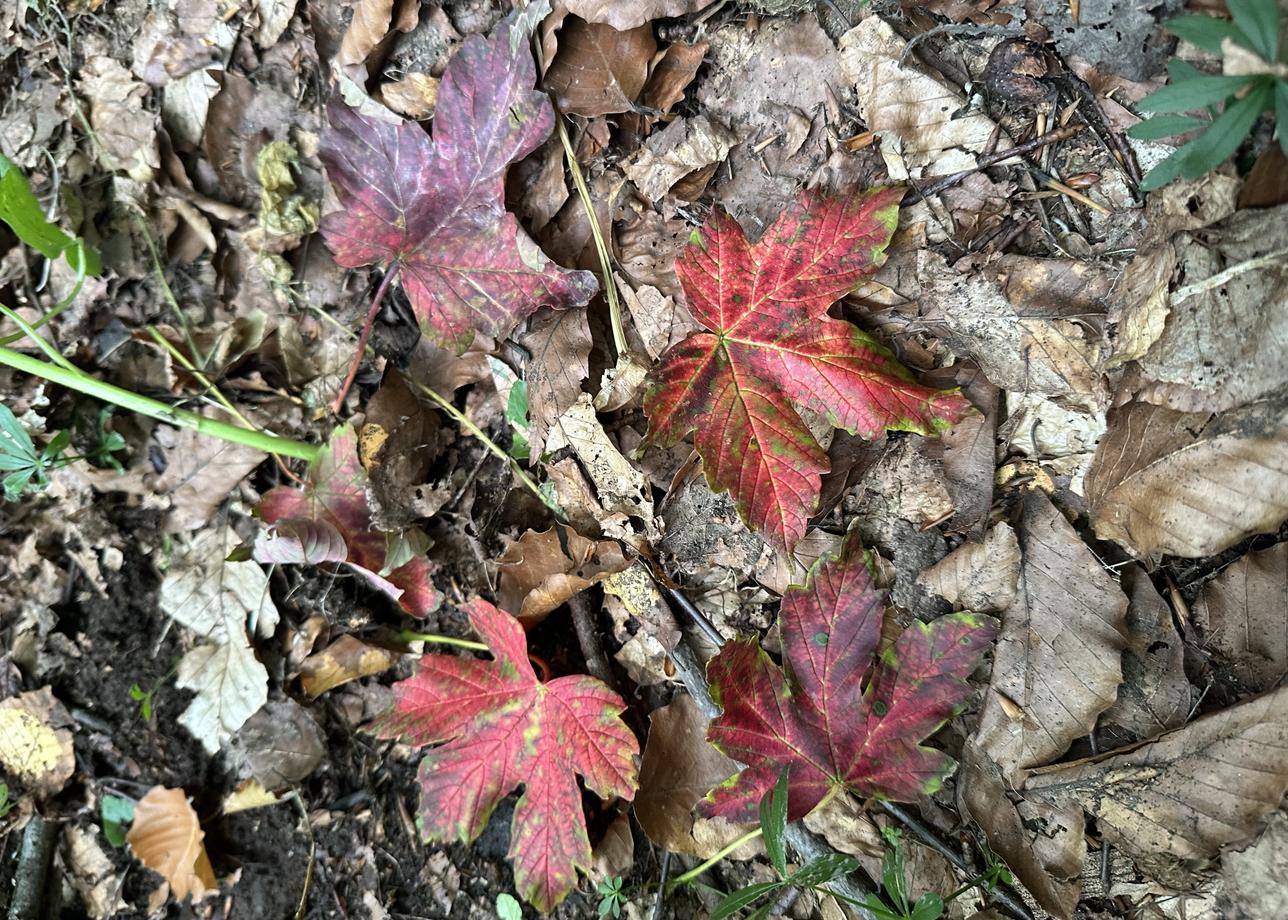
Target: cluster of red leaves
[[435, 211], [838, 713], [330, 521], [499, 727], [771, 345]]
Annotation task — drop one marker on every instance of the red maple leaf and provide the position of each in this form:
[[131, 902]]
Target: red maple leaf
[[841, 716], [503, 728], [435, 211], [330, 521], [771, 344]]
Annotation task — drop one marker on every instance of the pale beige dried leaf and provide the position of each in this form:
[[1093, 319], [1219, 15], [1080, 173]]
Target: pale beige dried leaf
[[978, 576], [35, 745], [1242, 618], [599, 70], [345, 659], [249, 794], [166, 836], [1044, 846], [1190, 792], [558, 344], [125, 130], [621, 15], [92, 873], [200, 472], [1058, 656], [274, 17], [618, 484], [642, 624], [1254, 877], [679, 768], [415, 95], [622, 384], [1190, 484], [615, 853], [1140, 304], [683, 146], [367, 29], [909, 107], [659, 320]]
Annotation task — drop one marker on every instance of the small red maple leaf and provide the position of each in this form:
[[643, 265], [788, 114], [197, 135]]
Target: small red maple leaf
[[330, 521], [499, 727], [841, 716], [771, 344], [435, 211]]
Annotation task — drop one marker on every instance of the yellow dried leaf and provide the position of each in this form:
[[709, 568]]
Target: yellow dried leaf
[[249, 794], [343, 660], [35, 747]]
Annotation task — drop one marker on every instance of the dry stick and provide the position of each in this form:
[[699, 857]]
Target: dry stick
[[691, 675], [992, 159], [583, 621], [362, 339], [32, 874]]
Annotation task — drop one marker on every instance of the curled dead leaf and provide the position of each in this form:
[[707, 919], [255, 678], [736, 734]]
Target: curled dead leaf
[[166, 836], [540, 571], [343, 660], [35, 744]]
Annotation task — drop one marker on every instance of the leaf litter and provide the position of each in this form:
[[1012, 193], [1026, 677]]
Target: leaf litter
[[1034, 393]]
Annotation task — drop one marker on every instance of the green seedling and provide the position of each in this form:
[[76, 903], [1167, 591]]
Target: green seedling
[[507, 908], [116, 813], [611, 897], [5, 805], [1227, 104]]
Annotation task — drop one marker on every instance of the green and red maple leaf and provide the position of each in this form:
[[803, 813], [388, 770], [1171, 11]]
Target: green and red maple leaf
[[770, 347], [434, 211], [838, 713], [330, 521], [498, 727]]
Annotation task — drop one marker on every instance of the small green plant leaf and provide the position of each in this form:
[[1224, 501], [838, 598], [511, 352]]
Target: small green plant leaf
[[5, 804], [930, 906], [1160, 126], [773, 822], [18, 456], [21, 211], [1210, 149], [507, 908], [1281, 113], [743, 897], [1206, 32], [823, 870], [116, 813], [1193, 92], [1259, 21]]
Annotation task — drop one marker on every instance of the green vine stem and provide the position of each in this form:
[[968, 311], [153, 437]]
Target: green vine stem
[[711, 861], [90, 386], [410, 635]]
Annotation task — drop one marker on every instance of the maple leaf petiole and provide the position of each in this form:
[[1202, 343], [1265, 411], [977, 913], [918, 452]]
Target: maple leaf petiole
[[372, 313], [410, 635]]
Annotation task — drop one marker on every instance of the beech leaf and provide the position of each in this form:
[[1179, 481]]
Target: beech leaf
[[498, 727], [837, 713], [166, 836], [330, 521], [435, 210], [770, 348]]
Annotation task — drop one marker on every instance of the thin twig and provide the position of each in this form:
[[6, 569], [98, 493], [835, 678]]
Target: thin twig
[[992, 159], [362, 339], [583, 621], [31, 875]]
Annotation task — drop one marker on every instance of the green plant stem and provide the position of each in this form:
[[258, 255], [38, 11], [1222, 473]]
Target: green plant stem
[[704, 866], [29, 331], [601, 248], [409, 635], [58, 307], [491, 445], [90, 386]]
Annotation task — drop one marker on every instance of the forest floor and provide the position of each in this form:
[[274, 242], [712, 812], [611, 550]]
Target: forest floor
[[1111, 487]]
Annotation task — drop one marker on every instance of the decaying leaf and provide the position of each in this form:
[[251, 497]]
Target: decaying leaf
[[221, 601], [599, 70], [676, 771], [497, 727], [1191, 791], [542, 569], [280, 745], [1177, 482], [166, 836], [345, 659], [331, 521], [629, 15], [1242, 619], [558, 342], [435, 211], [92, 873], [978, 576], [35, 744], [199, 473], [771, 344], [1057, 664], [848, 718]]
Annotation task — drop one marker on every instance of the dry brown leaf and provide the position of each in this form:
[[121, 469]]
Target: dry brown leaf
[[415, 95], [558, 342], [280, 745], [970, 451], [92, 873], [619, 486], [679, 768], [614, 855], [672, 75], [1155, 693], [200, 471], [125, 130], [659, 320], [643, 626], [343, 660], [1056, 667], [978, 576], [367, 29], [684, 146], [1190, 484], [1242, 618], [35, 744], [1044, 846], [1191, 791], [598, 69], [537, 575], [166, 836], [621, 15], [535, 186], [1254, 877]]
